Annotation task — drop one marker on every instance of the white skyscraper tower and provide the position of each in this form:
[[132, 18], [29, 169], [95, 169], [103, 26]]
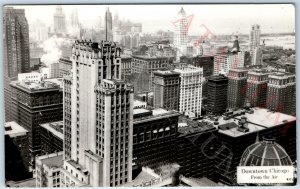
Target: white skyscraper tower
[[181, 24], [190, 99], [254, 43], [98, 118]]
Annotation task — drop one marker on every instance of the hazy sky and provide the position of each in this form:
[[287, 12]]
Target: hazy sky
[[220, 19]]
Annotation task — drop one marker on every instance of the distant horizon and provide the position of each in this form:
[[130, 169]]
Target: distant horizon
[[231, 18]]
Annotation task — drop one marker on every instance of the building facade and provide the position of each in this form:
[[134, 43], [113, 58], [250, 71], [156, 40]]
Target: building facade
[[65, 66], [34, 103], [281, 93], [108, 25], [48, 169], [254, 42], [97, 118], [126, 67], [59, 21], [143, 67], [237, 88], [217, 86], [257, 88], [16, 152], [193, 152], [166, 90], [16, 50], [181, 25], [190, 97], [223, 62], [51, 137], [154, 137]]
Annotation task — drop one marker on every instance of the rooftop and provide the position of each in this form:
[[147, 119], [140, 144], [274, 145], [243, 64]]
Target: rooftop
[[165, 72], [140, 111], [13, 129], [188, 69], [31, 86], [260, 119], [28, 183], [152, 114], [54, 160], [159, 111], [267, 118], [56, 128], [188, 126], [217, 77], [146, 57]]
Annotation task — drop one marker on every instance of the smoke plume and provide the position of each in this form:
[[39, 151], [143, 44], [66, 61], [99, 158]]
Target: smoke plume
[[52, 50]]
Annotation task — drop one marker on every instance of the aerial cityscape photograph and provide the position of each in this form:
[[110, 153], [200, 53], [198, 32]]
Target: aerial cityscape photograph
[[149, 95]]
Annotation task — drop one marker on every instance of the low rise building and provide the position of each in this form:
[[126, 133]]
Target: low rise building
[[154, 138], [51, 137], [16, 152], [48, 168]]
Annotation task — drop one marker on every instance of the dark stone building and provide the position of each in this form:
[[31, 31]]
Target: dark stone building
[[16, 152], [281, 93], [257, 88], [144, 66], [217, 94], [154, 138], [16, 50], [35, 103], [237, 88], [166, 90], [51, 137], [193, 152]]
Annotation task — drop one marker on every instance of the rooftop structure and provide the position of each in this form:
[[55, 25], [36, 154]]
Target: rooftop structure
[[56, 128], [258, 119], [32, 86], [14, 130]]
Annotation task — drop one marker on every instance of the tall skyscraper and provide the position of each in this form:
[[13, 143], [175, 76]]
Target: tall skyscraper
[[59, 20], [281, 93], [180, 32], [116, 22], [217, 94], [74, 22], [16, 50], [237, 88], [257, 88], [108, 25], [190, 100], [166, 90], [254, 41], [98, 118]]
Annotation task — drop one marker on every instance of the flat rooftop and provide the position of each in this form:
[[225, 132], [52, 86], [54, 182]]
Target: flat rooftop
[[56, 128], [31, 86], [140, 111], [188, 126], [14, 130], [267, 118], [260, 119], [152, 114], [165, 72], [54, 160]]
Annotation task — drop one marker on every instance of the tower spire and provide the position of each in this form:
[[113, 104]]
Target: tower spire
[[107, 9]]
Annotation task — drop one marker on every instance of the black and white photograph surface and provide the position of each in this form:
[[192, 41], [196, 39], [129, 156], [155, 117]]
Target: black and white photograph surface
[[149, 95]]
